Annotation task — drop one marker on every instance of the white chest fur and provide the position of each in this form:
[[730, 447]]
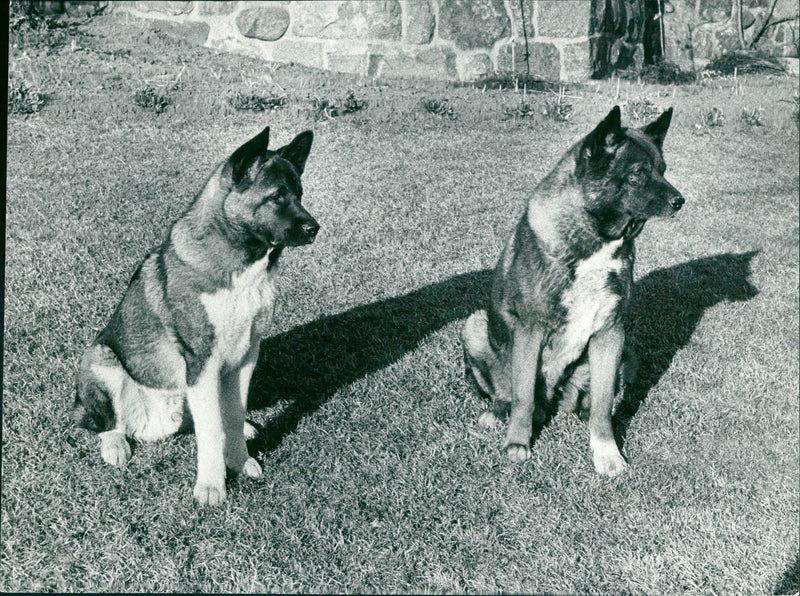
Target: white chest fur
[[591, 305], [241, 312], [589, 301]]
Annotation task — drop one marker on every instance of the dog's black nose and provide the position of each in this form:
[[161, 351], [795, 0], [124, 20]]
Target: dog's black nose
[[310, 230], [676, 202]]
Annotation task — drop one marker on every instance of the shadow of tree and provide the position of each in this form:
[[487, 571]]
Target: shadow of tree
[[309, 363], [665, 309]]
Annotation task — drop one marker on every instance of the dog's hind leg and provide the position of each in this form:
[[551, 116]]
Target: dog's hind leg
[[100, 380], [478, 354]]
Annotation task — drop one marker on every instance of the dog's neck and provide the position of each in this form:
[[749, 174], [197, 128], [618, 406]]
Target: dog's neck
[[224, 251]]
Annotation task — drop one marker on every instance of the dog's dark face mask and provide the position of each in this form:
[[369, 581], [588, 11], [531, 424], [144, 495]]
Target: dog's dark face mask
[[264, 202], [622, 173]]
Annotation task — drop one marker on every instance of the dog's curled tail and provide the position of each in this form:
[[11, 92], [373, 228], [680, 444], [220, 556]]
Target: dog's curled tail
[[93, 408]]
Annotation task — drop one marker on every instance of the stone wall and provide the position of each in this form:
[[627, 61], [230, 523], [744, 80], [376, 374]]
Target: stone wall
[[698, 30], [435, 39]]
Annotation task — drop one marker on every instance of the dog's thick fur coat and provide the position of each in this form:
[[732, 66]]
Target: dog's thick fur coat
[[554, 329], [182, 344]]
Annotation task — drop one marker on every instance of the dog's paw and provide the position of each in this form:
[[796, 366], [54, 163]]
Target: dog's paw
[[608, 461], [250, 431], [518, 453], [114, 448], [251, 468], [209, 494], [488, 420]]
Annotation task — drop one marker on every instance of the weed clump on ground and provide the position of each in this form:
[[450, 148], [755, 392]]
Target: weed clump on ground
[[24, 97], [752, 116], [440, 107], [556, 108], [256, 102], [641, 108], [712, 117], [331, 108], [151, 98], [522, 110]]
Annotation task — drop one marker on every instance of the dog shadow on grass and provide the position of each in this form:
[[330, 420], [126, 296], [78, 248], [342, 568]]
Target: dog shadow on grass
[[307, 364], [790, 582], [665, 309]]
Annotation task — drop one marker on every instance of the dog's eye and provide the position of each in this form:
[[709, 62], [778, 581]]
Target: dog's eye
[[276, 198]]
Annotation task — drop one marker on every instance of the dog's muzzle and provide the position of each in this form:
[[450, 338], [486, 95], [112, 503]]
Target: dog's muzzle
[[310, 231], [676, 202]]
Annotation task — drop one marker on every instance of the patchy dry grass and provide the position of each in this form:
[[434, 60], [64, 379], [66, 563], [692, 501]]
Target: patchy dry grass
[[378, 478]]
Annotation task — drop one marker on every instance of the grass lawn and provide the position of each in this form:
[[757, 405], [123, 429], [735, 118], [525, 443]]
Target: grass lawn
[[377, 477]]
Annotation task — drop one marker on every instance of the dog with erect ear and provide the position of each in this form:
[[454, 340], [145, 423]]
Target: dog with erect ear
[[181, 346], [553, 332]]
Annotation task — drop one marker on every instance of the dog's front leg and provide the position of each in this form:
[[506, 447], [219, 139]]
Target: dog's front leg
[[605, 352], [205, 406], [235, 387], [526, 345]]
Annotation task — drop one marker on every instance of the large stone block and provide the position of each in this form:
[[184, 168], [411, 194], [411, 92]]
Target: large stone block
[[308, 53], [349, 63], [267, 22], [215, 8], [419, 21], [545, 60], [170, 8], [565, 18], [473, 24], [435, 63], [576, 61], [475, 66], [516, 18], [362, 19]]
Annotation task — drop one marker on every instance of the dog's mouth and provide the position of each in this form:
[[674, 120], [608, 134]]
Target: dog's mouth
[[633, 227]]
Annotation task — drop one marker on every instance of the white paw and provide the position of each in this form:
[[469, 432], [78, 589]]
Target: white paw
[[209, 494], [607, 459], [250, 431], [518, 453], [251, 468], [488, 420], [114, 448]]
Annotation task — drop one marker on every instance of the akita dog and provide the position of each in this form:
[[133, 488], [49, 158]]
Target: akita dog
[[182, 344], [554, 329]]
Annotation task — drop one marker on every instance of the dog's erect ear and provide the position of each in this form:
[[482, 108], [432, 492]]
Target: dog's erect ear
[[297, 151], [605, 138], [246, 156], [657, 129]]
